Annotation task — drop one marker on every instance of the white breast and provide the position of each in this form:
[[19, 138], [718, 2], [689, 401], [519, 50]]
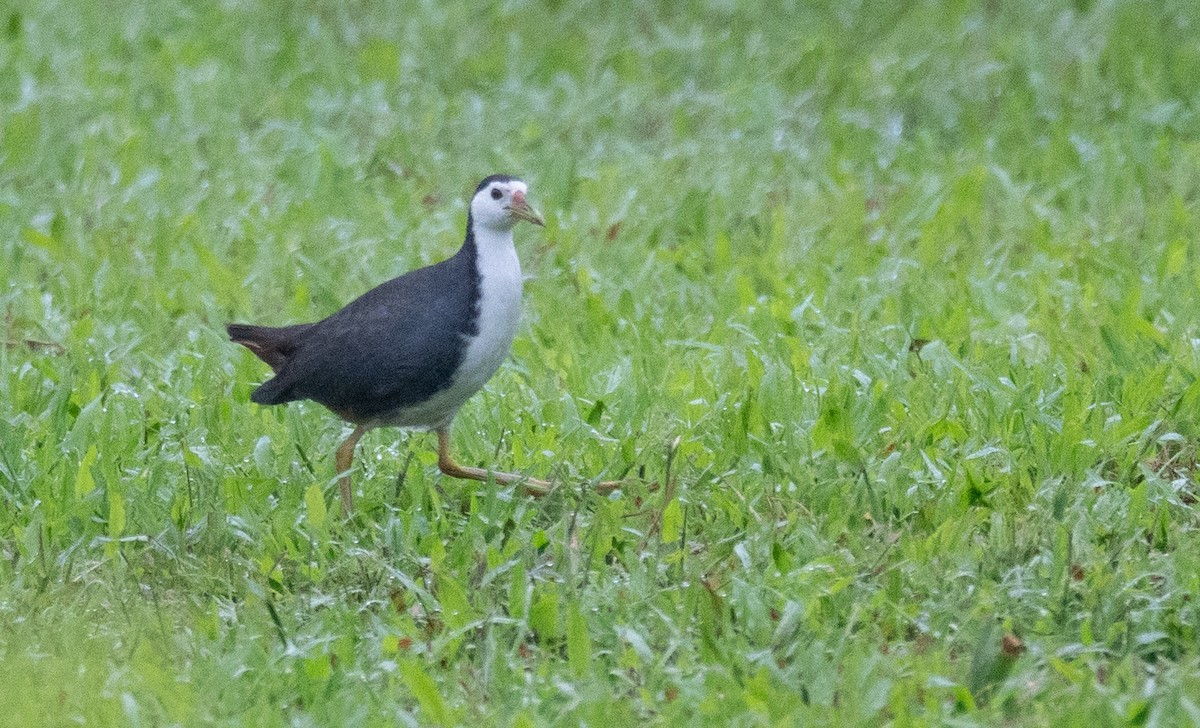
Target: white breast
[[499, 311], [499, 316]]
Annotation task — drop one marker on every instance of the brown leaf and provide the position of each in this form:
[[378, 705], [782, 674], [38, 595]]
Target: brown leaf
[[1012, 646]]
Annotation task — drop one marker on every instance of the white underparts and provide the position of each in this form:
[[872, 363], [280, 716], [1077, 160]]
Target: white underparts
[[499, 316]]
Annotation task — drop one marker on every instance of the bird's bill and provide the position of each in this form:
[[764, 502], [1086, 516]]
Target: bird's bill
[[521, 210]]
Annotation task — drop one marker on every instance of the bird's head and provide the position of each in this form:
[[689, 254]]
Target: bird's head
[[499, 203]]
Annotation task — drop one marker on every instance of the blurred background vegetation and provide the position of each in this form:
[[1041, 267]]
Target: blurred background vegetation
[[912, 284]]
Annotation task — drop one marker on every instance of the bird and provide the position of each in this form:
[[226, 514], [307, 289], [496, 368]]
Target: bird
[[411, 351]]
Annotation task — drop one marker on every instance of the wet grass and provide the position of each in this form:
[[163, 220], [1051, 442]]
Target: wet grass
[[895, 304]]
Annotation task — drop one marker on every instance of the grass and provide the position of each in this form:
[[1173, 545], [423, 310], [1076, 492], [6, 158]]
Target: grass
[[897, 302]]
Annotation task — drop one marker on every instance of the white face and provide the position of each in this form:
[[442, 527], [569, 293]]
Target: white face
[[501, 204]]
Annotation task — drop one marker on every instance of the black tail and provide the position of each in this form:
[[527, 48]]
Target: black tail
[[271, 344]]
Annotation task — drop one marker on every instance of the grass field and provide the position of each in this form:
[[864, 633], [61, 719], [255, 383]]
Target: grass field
[[894, 306]]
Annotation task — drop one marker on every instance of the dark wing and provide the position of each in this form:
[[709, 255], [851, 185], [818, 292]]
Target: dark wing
[[394, 346]]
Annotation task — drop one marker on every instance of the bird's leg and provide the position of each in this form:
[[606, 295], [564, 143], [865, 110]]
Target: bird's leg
[[533, 486], [446, 464], [344, 458]]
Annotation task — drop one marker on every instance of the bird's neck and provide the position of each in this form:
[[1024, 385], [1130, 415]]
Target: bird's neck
[[487, 239], [496, 286], [493, 250]]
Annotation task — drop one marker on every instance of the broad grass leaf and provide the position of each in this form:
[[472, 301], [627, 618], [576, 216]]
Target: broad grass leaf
[[516, 591], [116, 520], [672, 521], [84, 481], [543, 615], [425, 690], [579, 642], [314, 503], [20, 137], [225, 283], [456, 607], [318, 667], [379, 60], [43, 241]]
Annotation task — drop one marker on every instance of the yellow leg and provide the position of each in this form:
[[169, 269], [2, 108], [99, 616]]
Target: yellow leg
[[344, 459], [532, 486]]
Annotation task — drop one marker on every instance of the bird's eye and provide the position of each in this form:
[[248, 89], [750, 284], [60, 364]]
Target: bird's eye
[[496, 193]]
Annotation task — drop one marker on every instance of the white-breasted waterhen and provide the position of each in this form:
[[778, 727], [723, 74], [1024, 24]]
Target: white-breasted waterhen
[[411, 351]]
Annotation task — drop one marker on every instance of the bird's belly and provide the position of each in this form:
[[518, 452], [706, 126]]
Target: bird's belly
[[431, 414]]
